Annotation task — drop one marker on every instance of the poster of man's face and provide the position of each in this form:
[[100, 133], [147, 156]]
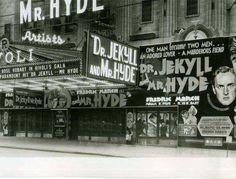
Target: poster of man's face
[[225, 85]]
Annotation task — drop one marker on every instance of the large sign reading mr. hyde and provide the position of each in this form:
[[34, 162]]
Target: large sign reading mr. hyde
[[99, 98], [29, 13], [110, 60]]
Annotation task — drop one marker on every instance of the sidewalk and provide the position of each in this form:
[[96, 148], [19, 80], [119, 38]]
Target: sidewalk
[[108, 150]]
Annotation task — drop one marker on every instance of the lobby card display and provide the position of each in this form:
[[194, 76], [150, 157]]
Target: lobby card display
[[60, 119]]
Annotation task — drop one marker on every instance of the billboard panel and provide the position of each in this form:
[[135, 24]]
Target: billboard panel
[[111, 60], [198, 76]]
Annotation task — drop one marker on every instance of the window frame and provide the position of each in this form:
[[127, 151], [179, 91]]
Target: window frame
[[192, 15], [151, 18]]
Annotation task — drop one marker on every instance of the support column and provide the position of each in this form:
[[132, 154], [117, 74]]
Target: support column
[[171, 17]]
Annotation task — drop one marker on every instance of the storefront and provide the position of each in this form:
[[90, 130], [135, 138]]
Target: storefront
[[122, 117]]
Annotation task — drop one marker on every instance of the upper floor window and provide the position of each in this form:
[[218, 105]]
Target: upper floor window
[[146, 10], [192, 7]]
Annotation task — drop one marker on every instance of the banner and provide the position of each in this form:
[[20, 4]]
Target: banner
[[111, 60]]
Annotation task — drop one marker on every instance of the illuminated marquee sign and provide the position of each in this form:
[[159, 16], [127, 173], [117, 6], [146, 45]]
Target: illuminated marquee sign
[[110, 60], [10, 57], [4, 44], [29, 14], [43, 38], [39, 70]]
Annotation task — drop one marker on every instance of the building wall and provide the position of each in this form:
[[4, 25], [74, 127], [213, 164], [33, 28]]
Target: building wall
[[7, 16], [169, 20]]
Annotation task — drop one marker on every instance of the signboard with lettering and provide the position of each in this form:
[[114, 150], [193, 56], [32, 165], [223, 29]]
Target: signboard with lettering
[[220, 126], [196, 75], [24, 98], [29, 12], [41, 70], [60, 119], [111, 60], [8, 100], [99, 98]]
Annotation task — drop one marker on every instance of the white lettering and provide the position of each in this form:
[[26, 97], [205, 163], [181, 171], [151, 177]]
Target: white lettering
[[25, 12]]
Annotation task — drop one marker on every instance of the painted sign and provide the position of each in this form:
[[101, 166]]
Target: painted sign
[[57, 98], [220, 126], [111, 60], [196, 75], [8, 100], [186, 130], [99, 100], [41, 70], [24, 98], [29, 13], [181, 66]]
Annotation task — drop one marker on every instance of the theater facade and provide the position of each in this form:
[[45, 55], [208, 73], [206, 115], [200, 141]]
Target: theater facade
[[103, 89], [162, 94]]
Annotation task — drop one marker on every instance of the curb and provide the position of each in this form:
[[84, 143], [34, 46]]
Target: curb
[[60, 151]]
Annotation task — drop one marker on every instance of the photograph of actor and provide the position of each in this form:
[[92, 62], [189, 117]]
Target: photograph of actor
[[221, 95], [224, 85]]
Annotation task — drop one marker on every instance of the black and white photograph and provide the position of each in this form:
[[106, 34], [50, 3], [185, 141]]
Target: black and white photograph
[[118, 89]]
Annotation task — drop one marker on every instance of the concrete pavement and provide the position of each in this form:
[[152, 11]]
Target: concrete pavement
[[109, 150]]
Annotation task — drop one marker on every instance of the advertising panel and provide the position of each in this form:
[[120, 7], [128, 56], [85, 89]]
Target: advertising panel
[[60, 123], [99, 98], [57, 99], [111, 60], [197, 75], [25, 98], [215, 126]]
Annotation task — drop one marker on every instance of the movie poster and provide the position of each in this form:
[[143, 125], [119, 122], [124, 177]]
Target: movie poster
[[199, 77]]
